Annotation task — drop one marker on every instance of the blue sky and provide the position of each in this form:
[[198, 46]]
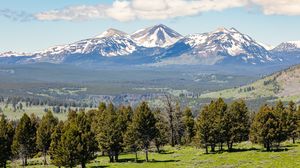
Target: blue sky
[[31, 25]]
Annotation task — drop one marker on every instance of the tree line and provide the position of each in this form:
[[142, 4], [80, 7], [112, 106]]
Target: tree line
[[110, 131]]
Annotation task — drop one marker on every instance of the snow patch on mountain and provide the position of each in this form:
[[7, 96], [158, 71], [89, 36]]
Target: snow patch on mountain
[[156, 36]]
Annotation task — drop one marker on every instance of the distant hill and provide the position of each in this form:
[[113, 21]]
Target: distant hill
[[284, 85]]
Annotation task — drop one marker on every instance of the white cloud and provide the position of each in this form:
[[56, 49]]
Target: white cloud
[[74, 13], [126, 10], [279, 7]]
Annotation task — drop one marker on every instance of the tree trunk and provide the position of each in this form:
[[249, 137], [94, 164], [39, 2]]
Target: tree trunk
[[117, 156], [111, 157], [25, 161], [136, 156], [45, 157], [82, 165], [146, 151], [157, 149], [212, 147], [268, 146], [293, 140], [206, 149]]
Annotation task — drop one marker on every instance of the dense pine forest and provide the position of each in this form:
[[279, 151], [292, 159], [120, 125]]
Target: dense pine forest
[[111, 131]]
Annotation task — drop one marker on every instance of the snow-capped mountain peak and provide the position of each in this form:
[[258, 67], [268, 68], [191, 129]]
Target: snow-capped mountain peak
[[156, 36], [224, 44], [288, 46], [111, 32], [11, 53]]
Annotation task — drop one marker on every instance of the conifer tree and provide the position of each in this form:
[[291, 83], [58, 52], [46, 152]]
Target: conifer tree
[[109, 133], [75, 143], [282, 130], [131, 140], [205, 131], [189, 125], [6, 139], [24, 139], [87, 146], [144, 126], [55, 146], [292, 120], [44, 131], [162, 130], [264, 127], [237, 123]]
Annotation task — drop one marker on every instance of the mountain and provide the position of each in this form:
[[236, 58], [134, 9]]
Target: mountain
[[221, 46], [110, 43], [288, 46], [160, 45], [13, 54], [156, 36], [282, 85], [287, 52]]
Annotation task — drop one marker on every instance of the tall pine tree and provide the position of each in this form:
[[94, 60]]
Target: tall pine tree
[[6, 139]]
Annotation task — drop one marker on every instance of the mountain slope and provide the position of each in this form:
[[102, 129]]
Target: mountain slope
[[280, 85], [220, 46], [156, 36], [287, 52]]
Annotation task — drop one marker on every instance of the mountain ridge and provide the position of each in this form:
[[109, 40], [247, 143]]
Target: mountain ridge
[[158, 45]]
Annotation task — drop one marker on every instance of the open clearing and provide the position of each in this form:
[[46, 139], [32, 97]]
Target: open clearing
[[245, 155]]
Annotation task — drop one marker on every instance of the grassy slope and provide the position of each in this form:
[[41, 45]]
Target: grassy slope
[[253, 156], [282, 85]]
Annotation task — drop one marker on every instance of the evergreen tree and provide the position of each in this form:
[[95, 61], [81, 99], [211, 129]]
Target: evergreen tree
[[87, 146], [55, 146], [162, 130], [44, 131], [109, 134], [218, 108], [292, 120], [205, 128], [178, 124], [281, 131], [264, 127], [189, 126], [144, 126], [24, 139], [6, 139], [131, 140], [237, 123], [75, 143]]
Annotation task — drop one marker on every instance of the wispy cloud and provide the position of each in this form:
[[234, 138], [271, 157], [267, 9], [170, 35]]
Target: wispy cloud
[[140, 9], [128, 10], [279, 7], [16, 15]]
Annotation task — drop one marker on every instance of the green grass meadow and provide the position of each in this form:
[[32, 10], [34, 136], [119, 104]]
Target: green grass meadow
[[246, 155]]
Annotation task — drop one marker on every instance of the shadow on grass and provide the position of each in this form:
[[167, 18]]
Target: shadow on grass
[[163, 161], [289, 146], [144, 161], [242, 150], [276, 150], [166, 152], [232, 150]]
